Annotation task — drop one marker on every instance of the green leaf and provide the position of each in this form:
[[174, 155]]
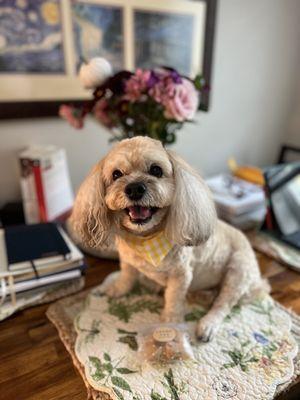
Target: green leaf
[[156, 396], [130, 341], [152, 306], [194, 315], [172, 388], [235, 355], [229, 365], [106, 357], [98, 375], [108, 367], [119, 310], [244, 367], [272, 346], [253, 359], [169, 376], [199, 82], [244, 344], [95, 361], [126, 371], [118, 394], [123, 332], [121, 383], [236, 309]]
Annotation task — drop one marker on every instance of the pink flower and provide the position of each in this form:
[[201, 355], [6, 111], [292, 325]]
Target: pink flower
[[73, 115], [137, 84], [180, 100], [101, 113]]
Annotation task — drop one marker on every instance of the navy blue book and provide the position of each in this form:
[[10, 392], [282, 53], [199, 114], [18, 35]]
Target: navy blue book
[[34, 242]]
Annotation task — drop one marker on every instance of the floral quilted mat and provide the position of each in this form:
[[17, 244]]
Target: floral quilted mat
[[252, 353]]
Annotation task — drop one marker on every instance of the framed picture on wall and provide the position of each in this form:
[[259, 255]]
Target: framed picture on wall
[[98, 32], [44, 42]]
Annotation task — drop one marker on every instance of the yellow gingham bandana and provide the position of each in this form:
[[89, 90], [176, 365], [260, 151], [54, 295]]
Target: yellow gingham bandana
[[152, 248]]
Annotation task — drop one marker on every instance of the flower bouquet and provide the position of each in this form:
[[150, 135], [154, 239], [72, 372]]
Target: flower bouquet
[[153, 103]]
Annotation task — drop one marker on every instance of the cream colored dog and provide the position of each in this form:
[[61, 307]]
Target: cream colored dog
[[141, 189]]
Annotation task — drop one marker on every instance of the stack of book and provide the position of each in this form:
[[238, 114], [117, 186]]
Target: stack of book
[[238, 202], [34, 259], [45, 184]]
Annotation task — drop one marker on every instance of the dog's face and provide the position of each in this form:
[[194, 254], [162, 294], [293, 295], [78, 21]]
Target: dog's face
[[141, 187], [139, 184]]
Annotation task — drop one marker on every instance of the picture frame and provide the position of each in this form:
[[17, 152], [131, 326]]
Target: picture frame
[[36, 82]]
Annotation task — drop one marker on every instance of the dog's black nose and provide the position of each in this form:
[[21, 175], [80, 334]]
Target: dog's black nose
[[135, 190]]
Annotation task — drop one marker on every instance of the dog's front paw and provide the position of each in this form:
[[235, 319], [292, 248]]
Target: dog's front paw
[[207, 328]]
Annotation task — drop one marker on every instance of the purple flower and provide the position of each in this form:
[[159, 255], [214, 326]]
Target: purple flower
[[153, 80], [176, 77], [260, 338], [172, 73]]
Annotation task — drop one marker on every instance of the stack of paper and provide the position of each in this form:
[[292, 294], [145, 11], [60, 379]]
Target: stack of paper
[[33, 257], [238, 202]]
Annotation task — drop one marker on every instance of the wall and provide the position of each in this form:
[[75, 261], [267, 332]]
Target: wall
[[256, 65], [293, 133]]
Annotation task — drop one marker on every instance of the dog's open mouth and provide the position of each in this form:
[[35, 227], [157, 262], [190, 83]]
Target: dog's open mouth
[[139, 214]]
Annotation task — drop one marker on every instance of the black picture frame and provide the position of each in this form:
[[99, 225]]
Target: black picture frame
[[42, 109]]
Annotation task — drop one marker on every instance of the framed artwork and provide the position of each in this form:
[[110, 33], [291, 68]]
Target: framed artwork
[[31, 38], [98, 32], [43, 43]]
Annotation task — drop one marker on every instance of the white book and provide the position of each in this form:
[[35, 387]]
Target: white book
[[235, 196], [45, 183], [35, 283]]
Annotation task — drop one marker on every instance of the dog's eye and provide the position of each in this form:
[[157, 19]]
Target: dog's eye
[[116, 174], [155, 170]]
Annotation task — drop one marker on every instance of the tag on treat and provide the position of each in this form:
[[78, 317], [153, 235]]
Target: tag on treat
[[164, 334]]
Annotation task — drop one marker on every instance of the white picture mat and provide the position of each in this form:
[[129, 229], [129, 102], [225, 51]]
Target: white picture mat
[[37, 87]]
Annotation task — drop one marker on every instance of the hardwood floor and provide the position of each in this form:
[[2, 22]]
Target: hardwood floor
[[35, 365]]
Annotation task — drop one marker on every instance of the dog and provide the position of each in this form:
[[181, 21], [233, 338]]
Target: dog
[[145, 195]]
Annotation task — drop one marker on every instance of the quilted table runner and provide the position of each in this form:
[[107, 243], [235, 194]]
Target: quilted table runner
[[251, 355]]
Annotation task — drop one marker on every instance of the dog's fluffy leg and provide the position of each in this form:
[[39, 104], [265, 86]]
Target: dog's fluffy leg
[[235, 284], [150, 284], [175, 294], [124, 283]]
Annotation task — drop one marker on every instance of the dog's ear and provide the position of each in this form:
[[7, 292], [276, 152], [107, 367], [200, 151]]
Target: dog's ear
[[89, 220], [192, 214]]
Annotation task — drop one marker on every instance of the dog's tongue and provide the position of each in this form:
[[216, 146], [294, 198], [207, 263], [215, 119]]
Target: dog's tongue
[[139, 212]]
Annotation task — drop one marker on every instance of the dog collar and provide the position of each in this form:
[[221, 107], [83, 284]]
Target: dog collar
[[151, 248]]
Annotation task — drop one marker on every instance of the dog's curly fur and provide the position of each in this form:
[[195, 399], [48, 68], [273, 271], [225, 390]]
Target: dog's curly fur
[[207, 252]]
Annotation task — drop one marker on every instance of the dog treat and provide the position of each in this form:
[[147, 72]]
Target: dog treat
[[164, 344]]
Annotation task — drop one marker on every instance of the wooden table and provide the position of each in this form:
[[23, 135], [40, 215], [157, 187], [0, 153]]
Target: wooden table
[[35, 365]]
